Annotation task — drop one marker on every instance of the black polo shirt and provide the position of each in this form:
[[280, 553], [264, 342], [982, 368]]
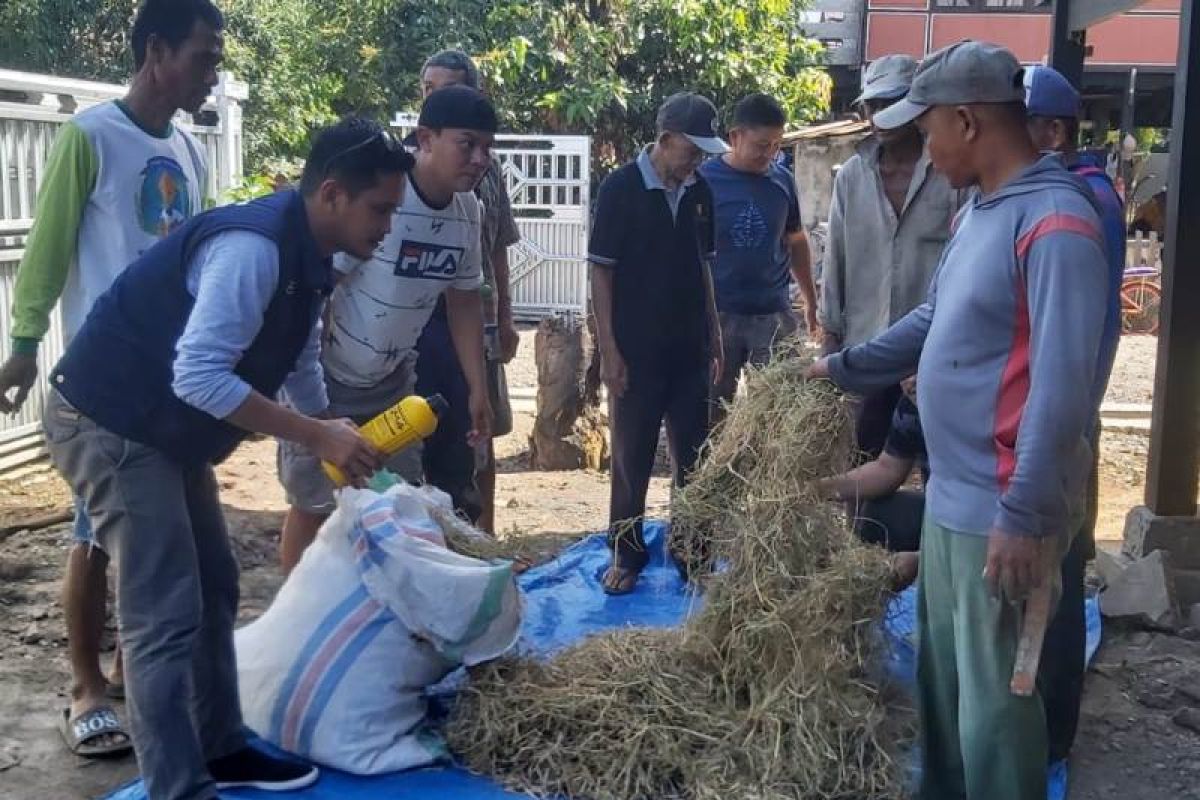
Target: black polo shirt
[[657, 256]]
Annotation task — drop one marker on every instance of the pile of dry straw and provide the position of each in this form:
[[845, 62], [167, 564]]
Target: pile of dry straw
[[768, 690]]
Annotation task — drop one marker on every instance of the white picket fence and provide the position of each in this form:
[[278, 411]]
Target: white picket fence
[[549, 182], [32, 108], [1143, 250]]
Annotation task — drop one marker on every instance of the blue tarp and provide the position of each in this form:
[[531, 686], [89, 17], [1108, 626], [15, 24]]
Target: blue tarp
[[564, 604]]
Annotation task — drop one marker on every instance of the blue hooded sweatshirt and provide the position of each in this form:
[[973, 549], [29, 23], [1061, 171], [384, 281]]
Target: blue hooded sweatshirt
[[1112, 218], [1006, 347]]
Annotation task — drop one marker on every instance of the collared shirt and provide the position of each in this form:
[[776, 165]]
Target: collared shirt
[[878, 265], [653, 181], [657, 244], [499, 230]]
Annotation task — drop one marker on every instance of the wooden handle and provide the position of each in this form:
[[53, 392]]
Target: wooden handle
[[1033, 628]]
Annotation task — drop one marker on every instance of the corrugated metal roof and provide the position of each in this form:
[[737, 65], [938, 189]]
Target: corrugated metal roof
[[844, 127]]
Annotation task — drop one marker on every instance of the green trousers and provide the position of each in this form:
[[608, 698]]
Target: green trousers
[[978, 740]]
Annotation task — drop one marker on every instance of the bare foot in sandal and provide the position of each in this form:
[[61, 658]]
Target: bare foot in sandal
[[94, 734], [620, 579]]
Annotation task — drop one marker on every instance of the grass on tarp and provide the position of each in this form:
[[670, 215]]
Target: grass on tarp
[[770, 690]]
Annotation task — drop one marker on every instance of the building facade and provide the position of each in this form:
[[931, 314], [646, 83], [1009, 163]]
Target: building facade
[[1144, 38]]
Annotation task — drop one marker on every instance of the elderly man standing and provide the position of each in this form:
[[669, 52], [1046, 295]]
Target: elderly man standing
[[651, 252], [888, 222]]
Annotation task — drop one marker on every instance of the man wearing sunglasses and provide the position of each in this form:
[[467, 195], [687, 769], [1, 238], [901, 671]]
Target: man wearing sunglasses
[[384, 299], [888, 223], [651, 252], [175, 365]]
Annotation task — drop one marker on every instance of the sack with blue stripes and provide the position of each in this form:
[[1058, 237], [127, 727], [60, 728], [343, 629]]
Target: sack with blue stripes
[[377, 610]]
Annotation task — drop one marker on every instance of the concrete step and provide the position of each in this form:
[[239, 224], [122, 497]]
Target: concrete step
[[1126, 410], [1125, 425]]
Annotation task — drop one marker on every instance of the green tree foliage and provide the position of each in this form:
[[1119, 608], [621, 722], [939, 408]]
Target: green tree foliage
[[73, 38], [599, 67]]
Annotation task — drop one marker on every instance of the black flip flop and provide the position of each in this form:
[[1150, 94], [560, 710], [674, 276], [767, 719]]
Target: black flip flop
[[624, 580], [90, 725]]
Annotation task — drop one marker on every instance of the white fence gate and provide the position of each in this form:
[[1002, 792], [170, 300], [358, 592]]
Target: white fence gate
[[32, 108], [549, 183]]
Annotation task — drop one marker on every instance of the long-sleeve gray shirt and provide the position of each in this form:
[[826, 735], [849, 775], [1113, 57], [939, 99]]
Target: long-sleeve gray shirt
[[878, 265], [233, 276]]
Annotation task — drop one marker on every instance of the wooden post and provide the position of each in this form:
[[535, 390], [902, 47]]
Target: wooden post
[[568, 432], [1174, 464]]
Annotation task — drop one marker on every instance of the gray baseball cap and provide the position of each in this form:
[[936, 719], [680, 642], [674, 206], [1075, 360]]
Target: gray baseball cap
[[695, 117], [962, 74], [887, 78]]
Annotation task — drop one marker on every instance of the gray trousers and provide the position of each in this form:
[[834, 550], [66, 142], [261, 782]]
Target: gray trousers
[[177, 591], [749, 339]]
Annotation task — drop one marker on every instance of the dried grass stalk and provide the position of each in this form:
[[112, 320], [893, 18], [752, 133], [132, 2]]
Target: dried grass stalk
[[768, 691]]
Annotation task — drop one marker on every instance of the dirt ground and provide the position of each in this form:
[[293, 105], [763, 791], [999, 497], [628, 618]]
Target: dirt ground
[[1128, 745]]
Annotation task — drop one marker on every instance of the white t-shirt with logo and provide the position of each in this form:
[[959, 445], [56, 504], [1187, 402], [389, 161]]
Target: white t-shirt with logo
[[381, 305], [111, 191]]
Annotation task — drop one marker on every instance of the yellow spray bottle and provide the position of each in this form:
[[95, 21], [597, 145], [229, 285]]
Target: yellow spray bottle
[[412, 419]]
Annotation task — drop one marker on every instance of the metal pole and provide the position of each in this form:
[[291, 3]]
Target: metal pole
[[1128, 123], [1174, 464], [1067, 47]]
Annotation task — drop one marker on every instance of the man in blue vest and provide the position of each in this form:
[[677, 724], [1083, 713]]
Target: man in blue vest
[[175, 365]]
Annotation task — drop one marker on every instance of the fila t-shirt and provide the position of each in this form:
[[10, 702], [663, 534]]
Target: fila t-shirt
[[381, 305]]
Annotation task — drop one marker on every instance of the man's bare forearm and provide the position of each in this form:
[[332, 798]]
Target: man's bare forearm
[[257, 414], [875, 479], [710, 302], [500, 273], [602, 296], [801, 266]]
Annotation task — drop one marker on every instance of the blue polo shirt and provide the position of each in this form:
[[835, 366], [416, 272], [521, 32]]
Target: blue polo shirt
[[656, 242], [755, 214]]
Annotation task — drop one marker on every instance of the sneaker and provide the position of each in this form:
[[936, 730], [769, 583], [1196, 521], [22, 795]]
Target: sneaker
[[257, 770]]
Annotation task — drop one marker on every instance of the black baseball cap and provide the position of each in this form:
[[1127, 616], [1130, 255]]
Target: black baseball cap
[[695, 117], [458, 107]]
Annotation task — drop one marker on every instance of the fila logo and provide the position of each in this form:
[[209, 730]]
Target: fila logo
[[425, 260]]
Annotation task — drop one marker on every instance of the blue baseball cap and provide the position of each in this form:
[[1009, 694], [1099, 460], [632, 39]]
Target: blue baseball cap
[[1049, 94]]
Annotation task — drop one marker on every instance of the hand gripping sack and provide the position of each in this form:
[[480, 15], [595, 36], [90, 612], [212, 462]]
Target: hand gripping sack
[[376, 611]]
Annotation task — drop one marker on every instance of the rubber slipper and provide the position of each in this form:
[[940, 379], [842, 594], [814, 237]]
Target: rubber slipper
[[91, 725], [620, 580]]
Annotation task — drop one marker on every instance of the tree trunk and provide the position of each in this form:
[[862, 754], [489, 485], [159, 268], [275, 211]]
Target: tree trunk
[[568, 432]]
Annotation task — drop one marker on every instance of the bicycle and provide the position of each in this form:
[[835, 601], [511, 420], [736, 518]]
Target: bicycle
[[1141, 297]]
